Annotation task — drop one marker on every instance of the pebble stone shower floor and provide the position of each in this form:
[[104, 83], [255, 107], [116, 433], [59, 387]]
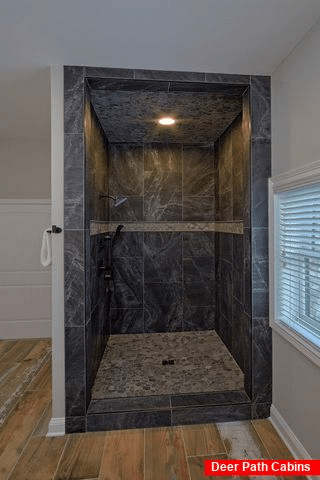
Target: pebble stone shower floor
[[166, 363]]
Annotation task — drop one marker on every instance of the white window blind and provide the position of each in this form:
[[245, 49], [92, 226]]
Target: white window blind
[[297, 250]]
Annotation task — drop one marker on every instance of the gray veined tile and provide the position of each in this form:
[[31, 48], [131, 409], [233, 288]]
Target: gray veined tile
[[167, 75], [73, 182], [198, 178], [75, 371], [129, 244], [126, 320], [261, 113], [95, 72], [198, 318], [126, 170], [130, 211], [128, 286], [198, 209], [73, 99], [74, 278], [198, 244], [228, 79]]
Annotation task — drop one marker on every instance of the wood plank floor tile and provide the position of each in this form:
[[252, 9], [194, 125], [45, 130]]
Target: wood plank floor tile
[[19, 350], [202, 440], [42, 380], [81, 457], [40, 459], [271, 439], [42, 427], [165, 454], [15, 384], [196, 466], [41, 349], [241, 440], [123, 456], [18, 428], [5, 346], [7, 369], [299, 477]]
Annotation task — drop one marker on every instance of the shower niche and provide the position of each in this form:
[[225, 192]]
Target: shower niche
[[166, 304]]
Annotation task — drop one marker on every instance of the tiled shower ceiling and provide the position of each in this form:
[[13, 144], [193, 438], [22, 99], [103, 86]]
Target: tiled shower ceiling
[[129, 110]]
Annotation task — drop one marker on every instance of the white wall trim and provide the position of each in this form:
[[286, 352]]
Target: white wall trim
[[25, 201], [289, 437], [285, 432], [57, 218], [295, 178], [26, 328], [57, 427], [302, 176]]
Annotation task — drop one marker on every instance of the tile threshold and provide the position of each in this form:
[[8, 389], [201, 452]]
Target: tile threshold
[[165, 402]]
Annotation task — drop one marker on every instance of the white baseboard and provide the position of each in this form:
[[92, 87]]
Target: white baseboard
[[290, 439], [14, 329], [56, 427]]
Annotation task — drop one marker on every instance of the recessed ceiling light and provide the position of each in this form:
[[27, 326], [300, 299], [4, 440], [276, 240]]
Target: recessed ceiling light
[[166, 121]]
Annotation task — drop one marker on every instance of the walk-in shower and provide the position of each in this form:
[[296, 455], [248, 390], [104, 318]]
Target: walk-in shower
[[172, 321]]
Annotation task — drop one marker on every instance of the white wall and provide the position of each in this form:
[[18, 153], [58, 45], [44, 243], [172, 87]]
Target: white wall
[[25, 286], [296, 142], [25, 168]]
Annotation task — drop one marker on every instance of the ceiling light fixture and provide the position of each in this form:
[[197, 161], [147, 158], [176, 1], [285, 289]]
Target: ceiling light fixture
[[166, 121]]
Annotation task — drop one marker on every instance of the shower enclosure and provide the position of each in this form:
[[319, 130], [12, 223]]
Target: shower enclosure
[[190, 255]]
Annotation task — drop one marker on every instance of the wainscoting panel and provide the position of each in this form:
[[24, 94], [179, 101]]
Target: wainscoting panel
[[25, 286]]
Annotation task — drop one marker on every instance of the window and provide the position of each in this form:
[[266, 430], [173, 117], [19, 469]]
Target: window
[[295, 251]]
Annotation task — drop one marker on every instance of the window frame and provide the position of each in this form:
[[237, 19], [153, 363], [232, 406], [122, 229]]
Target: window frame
[[293, 179]]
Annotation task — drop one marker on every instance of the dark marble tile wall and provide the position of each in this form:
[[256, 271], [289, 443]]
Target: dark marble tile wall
[[97, 324], [256, 167], [232, 177], [260, 172], [74, 243], [85, 297], [97, 320], [97, 166], [243, 322], [163, 281], [229, 173]]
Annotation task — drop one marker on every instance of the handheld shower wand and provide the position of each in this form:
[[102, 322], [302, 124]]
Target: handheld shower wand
[[116, 235]]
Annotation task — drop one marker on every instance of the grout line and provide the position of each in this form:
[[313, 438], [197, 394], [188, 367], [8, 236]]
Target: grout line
[[223, 442], [185, 451], [60, 459], [104, 449], [41, 418], [260, 438], [144, 454]]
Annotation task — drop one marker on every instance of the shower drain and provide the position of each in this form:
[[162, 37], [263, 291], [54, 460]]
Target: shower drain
[[167, 362]]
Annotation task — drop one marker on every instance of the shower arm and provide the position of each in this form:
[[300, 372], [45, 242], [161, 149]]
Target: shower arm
[[104, 195]]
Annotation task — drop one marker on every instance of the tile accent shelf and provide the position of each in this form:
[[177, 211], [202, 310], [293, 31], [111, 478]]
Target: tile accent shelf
[[97, 228], [233, 216]]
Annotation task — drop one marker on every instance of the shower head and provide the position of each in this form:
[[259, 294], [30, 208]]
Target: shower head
[[117, 200]]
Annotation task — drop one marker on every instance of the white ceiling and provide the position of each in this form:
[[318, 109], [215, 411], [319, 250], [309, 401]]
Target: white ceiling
[[226, 36]]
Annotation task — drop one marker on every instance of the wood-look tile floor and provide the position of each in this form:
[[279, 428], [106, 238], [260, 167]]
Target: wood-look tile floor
[[171, 453]]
